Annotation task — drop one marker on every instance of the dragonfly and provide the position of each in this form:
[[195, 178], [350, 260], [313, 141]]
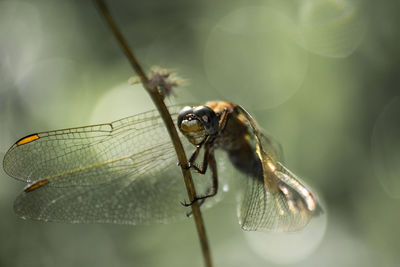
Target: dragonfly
[[125, 172]]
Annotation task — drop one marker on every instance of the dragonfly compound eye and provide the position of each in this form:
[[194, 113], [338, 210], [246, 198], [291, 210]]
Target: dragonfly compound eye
[[197, 123], [191, 126], [183, 114], [208, 118]]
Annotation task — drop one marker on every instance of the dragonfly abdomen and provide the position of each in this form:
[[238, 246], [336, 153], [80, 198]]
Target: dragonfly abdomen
[[246, 161]]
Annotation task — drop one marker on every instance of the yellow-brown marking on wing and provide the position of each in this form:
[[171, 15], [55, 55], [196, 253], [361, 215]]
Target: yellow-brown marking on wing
[[36, 185], [27, 139]]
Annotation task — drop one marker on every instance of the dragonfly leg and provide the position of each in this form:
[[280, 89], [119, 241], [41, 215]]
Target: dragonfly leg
[[213, 189], [192, 158], [204, 165]]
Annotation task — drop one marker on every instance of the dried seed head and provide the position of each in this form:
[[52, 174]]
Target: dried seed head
[[163, 80]]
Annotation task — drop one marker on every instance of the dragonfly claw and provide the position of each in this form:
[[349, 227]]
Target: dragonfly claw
[[201, 201], [185, 204]]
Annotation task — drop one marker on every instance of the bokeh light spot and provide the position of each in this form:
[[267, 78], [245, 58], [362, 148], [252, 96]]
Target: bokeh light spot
[[386, 148], [287, 248], [332, 28], [122, 101], [250, 60]]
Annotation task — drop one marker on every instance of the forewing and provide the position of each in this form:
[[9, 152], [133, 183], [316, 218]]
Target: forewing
[[93, 154], [124, 172], [278, 201]]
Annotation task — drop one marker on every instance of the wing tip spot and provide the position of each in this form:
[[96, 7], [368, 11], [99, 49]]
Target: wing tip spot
[[27, 139]]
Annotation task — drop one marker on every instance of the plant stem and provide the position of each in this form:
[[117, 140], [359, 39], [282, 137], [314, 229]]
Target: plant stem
[[159, 103]]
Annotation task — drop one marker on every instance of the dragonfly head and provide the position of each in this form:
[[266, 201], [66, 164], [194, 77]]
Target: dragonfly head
[[196, 123]]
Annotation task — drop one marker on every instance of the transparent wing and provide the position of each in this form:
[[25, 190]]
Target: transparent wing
[[273, 147], [278, 201], [147, 199], [287, 207], [270, 144], [122, 172], [93, 154]]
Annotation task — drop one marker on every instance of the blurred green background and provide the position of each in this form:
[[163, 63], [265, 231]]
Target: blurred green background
[[320, 75]]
